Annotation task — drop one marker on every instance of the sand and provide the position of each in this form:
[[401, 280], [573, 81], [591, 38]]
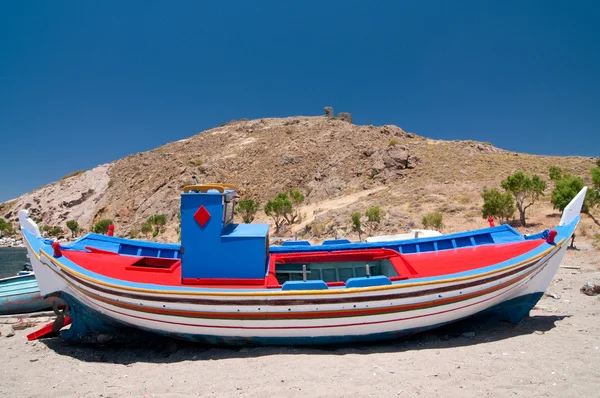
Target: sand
[[554, 352]]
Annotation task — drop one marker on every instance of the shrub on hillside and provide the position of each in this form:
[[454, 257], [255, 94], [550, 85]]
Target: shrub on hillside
[[196, 162], [6, 228], [55, 231], [357, 224], [374, 216], [317, 228], [555, 173], [154, 224], [73, 226], [434, 220], [248, 208], [497, 204], [146, 227], [101, 227]]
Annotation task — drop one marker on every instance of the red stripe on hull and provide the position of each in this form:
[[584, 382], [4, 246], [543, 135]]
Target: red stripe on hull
[[307, 327], [308, 314]]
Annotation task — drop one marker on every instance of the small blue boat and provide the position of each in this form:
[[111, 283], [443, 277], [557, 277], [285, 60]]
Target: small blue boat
[[21, 294]]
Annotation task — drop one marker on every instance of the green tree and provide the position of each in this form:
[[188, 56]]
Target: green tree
[[101, 227], [596, 177], [357, 224], [73, 226], [248, 209], [296, 198], [567, 187], [525, 189], [497, 204], [6, 228], [592, 198], [555, 173], [433, 220], [374, 216], [277, 209]]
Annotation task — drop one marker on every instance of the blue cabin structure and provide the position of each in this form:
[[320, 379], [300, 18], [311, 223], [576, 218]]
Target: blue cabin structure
[[214, 250]]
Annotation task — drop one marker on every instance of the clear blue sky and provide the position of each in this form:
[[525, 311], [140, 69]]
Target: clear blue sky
[[83, 83]]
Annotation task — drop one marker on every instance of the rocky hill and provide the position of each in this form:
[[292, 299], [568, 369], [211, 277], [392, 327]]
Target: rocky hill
[[340, 167]]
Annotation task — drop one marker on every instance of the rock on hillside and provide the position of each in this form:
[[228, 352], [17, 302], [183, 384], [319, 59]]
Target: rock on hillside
[[341, 167], [70, 198]]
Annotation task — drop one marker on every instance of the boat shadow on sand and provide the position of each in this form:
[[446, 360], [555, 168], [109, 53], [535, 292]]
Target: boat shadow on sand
[[166, 350]]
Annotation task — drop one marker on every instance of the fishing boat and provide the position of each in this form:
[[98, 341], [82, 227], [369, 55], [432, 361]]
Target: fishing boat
[[224, 284], [21, 294]]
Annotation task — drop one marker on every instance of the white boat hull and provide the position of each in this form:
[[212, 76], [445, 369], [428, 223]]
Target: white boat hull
[[144, 311]]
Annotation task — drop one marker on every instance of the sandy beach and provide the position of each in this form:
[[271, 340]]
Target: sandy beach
[[554, 352]]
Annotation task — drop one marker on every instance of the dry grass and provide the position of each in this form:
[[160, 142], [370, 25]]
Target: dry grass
[[73, 174], [584, 230], [596, 242], [318, 228], [196, 162]]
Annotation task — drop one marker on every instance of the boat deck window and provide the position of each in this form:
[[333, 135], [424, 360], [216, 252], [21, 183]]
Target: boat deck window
[[229, 212], [334, 271]]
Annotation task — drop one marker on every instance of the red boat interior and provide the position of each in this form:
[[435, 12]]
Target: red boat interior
[[332, 267]]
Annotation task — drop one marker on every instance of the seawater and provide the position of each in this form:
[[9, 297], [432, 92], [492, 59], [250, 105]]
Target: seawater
[[12, 260]]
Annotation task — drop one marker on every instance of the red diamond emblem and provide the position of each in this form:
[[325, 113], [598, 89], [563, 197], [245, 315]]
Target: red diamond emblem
[[202, 216]]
